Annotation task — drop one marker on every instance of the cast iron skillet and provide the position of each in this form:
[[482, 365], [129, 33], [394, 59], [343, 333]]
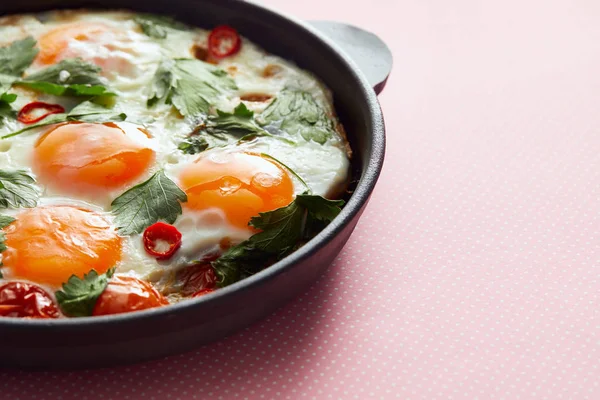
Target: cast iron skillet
[[125, 338]]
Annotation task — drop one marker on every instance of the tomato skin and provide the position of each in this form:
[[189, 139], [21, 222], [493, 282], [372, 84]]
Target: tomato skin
[[26, 300], [202, 292], [126, 294]]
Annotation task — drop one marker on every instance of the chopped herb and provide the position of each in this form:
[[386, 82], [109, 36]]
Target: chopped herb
[[194, 144], [157, 26], [17, 189], [78, 297], [191, 86], [71, 77], [281, 232], [15, 58], [157, 199], [84, 112], [297, 113], [221, 129], [6, 110], [5, 221]]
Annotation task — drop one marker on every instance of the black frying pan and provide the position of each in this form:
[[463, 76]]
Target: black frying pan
[[110, 340]]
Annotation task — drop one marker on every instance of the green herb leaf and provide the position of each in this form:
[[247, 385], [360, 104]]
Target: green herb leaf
[[17, 189], [157, 199], [297, 113], [84, 112], [78, 296], [5, 221], [157, 26], [15, 58], [2, 246], [6, 110], [192, 86], [282, 231], [71, 77], [194, 144], [238, 124], [223, 128]]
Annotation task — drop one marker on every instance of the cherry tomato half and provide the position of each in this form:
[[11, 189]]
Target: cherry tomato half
[[25, 300], [30, 113], [203, 292], [126, 294], [165, 233], [223, 41]]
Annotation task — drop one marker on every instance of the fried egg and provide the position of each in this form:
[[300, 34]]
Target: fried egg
[[82, 167]]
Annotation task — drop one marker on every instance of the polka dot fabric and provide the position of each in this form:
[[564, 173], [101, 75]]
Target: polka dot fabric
[[475, 271]]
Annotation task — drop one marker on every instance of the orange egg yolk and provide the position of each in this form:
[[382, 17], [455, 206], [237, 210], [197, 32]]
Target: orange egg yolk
[[49, 244], [54, 44], [80, 157], [240, 184]]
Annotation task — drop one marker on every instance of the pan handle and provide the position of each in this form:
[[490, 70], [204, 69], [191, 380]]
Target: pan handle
[[368, 51]]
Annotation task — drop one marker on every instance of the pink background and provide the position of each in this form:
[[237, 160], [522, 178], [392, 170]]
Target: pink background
[[475, 270]]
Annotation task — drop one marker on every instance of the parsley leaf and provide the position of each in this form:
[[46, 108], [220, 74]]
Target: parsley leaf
[[5, 221], [157, 26], [297, 113], [281, 232], [84, 112], [190, 85], [17, 189], [221, 129], [239, 124], [194, 144], [6, 110], [156, 199], [71, 77], [15, 58], [78, 296]]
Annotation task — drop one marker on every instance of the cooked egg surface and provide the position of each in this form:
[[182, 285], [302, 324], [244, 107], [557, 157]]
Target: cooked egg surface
[[82, 167]]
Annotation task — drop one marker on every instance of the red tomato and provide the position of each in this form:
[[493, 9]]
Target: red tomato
[[223, 41], [125, 294], [203, 292], [196, 278], [25, 300]]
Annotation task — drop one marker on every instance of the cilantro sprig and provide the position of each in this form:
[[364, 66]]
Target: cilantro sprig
[[87, 111], [157, 199], [78, 297], [282, 230], [297, 113], [17, 57], [221, 129], [17, 189], [190, 85], [157, 26], [6, 110], [70, 77]]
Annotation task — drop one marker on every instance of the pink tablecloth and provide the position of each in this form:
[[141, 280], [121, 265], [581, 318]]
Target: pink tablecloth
[[475, 272]]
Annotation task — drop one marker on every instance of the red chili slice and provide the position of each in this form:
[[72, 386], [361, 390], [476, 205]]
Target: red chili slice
[[165, 233], [223, 41], [27, 115]]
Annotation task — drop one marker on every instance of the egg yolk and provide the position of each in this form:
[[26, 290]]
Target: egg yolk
[[49, 244], [54, 44], [80, 157], [240, 184]]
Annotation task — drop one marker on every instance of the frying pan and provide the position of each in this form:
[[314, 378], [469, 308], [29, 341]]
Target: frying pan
[[354, 64]]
